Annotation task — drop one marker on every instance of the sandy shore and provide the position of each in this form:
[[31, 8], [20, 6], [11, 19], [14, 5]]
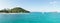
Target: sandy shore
[[14, 13]]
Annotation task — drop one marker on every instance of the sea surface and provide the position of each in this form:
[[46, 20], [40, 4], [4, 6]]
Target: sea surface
[[33, 17]]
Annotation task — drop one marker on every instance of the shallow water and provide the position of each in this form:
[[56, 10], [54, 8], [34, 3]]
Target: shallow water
[[34, 17]]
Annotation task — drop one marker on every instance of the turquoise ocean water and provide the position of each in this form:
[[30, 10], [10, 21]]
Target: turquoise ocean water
[[34, 17]]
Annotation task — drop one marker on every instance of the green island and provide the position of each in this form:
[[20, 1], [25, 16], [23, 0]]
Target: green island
[[14, 10]]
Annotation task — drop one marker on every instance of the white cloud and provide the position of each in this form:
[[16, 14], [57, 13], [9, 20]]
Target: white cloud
[[54, 2]]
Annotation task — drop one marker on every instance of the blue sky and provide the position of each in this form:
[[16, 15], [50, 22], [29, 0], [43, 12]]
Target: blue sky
[[32, 5]]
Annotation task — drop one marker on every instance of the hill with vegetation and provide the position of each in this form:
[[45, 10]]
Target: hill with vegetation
[[14, 10]]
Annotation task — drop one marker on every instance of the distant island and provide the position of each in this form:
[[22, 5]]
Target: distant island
[[14, 10]]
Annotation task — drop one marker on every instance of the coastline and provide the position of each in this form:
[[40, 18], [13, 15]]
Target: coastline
[[14, 13]]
